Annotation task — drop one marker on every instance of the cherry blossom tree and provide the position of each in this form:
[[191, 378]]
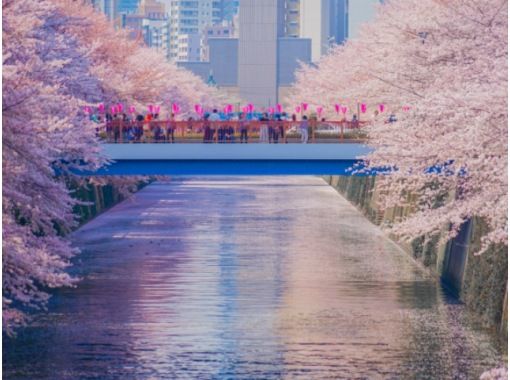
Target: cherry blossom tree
[[59, 55], [441, 67]]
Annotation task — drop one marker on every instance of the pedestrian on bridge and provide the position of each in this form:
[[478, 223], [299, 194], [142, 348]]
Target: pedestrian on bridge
[[264, 130], [170, 131], [208, 135], [243, 123], [277, 129], [303, 127]]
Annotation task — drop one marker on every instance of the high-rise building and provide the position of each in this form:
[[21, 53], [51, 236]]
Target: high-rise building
[[325, 22], [225, 10], [292, 21], [149, 24], [259, 65], [127, 6], [223, 30], [360, 12], [190, 17], [188, 48], [108, 7], [268, 51], [259, 29]]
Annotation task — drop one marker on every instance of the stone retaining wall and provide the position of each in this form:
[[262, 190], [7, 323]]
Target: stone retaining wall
[[478, 281]]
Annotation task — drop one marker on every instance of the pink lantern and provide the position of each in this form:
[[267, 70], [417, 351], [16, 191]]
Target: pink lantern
[[406, 108], [305, 106], [175, 108], [230, 108], [381, 107], [363, 107], [344, 110], [87, 110], [101, 107], [245, 109], [319, 110], [151, 108], [251, 108], [298, 109], [132, 109], [114, 109], [337, 108], [279, 107], [157, 109], [270, 110], [120, 107], [198, 109]]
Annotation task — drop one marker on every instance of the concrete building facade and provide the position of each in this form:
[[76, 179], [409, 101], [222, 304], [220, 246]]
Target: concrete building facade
[[325, 22], [190, 17], [259, 29], [224, 30], [258, 66], [188, 47]]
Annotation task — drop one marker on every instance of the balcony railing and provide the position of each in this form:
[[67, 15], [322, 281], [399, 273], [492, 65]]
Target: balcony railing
[[168, 131]]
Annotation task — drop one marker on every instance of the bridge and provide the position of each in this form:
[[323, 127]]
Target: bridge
[[174, 148]]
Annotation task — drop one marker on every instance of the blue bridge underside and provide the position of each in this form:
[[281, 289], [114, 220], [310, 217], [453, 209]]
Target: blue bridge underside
[[226, 167]]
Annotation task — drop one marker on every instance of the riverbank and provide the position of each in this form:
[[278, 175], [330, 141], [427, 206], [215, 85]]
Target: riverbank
[[99, 196], [478, 281]]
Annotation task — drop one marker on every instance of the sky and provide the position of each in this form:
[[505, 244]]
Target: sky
[[360, 11]]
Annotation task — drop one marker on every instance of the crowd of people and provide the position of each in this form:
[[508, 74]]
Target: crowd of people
[[214, 127]]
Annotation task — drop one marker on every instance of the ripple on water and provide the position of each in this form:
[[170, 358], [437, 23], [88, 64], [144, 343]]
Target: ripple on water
[[246, 278]]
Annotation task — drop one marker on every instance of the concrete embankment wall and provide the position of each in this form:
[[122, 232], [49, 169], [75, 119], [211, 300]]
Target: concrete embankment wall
[[99, 198], [478, 281]]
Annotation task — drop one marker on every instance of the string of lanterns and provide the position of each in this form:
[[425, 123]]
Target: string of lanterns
[[229, 109]]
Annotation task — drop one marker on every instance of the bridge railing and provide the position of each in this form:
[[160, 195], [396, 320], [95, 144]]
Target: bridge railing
[[169, 131]]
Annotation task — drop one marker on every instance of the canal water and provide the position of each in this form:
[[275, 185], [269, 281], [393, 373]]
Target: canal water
[[246, 278]]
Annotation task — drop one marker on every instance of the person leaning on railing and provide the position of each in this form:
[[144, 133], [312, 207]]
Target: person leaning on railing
[[138, 128], [207, 129], [243, 124], [170, 130], [277, 129], [264, 131], [303, 127]]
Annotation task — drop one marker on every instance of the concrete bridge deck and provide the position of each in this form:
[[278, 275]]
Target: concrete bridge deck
[[231, 159]]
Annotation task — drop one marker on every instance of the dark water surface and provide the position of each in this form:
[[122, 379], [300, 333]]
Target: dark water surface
[[246, 278]]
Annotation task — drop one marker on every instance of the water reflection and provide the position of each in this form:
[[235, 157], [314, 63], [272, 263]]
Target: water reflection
[[232, 278]]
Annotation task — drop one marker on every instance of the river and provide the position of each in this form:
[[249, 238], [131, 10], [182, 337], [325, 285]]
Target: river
[[246, 278]]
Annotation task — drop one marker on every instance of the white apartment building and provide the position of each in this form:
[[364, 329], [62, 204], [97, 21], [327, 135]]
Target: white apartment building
[[188, 17], [224, 30], [188, 48]]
